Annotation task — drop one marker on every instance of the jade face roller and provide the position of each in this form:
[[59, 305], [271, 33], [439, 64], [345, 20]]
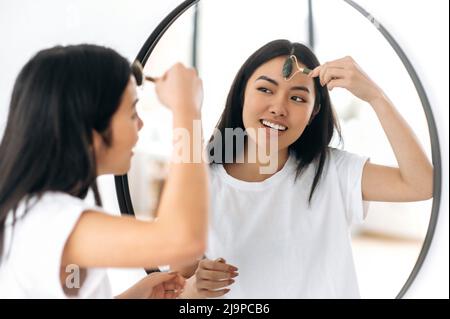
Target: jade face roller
[[288, 67]]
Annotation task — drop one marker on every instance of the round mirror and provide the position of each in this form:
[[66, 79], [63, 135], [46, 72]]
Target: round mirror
[[216, 37]]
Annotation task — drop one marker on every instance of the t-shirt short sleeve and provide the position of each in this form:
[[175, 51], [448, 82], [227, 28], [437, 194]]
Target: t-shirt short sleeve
[[349, 168], [38, 243]]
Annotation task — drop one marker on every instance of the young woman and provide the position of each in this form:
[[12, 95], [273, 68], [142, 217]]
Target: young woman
[[72, 118], [287, 233]]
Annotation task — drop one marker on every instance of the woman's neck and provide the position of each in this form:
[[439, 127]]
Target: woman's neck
[[257, 170]]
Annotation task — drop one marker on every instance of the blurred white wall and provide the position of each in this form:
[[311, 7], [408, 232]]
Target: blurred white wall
[[27, 26]]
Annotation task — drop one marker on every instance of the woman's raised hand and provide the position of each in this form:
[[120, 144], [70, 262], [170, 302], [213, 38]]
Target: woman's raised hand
[[180, 89], [347, 74]]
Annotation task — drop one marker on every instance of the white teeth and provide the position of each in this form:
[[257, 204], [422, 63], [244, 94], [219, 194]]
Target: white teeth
[[274, 126]]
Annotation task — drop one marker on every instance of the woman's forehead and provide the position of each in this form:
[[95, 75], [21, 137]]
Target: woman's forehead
[[274, 69]]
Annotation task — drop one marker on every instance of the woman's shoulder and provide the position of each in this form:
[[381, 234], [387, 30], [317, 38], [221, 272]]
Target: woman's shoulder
[[52, 202], [337, 152], [57, 197], [342, 155], [343, 160], [61, 197]]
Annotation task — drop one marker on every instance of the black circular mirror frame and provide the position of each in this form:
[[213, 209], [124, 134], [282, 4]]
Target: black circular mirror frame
[[121, 182]]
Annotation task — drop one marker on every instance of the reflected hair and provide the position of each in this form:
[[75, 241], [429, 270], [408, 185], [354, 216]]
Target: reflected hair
[[59, 98], [312, 145]]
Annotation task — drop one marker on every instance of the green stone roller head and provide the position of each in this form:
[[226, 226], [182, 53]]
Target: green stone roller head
[[288, 67]]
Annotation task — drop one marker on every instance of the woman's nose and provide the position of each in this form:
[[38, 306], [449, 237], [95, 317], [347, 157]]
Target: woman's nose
[[278, 109]]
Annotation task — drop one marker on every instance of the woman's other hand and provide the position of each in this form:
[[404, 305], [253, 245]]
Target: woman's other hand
[[157, 285], [210, 279]]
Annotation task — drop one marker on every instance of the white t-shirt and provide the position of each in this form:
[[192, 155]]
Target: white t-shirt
[[31, 261], [282, 247]]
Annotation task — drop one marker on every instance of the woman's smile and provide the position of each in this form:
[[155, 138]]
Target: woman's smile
[[273, 127]]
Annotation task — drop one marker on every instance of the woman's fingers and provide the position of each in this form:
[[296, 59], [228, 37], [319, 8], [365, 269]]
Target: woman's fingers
[[346, 73], [179, 88], [327, 74], [180, 280], [331, 73], [215, 275], [213, 285], [217, 265], [169, 283], [170, 294], [321, 70], [157, 278], [171, 286], [342, 63], [342, 83], [315, 72], [213, 293]]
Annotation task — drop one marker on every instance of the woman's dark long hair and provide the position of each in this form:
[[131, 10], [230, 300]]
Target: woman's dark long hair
[[312, 145], [59, 98]]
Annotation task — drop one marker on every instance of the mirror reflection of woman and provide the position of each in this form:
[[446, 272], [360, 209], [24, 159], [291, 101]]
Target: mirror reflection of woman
[[72, 118], [286, 234]]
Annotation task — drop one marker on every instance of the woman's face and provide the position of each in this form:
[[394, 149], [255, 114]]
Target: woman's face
[[279, 108], [125, 125]]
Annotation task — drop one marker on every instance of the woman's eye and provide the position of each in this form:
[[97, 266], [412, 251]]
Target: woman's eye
[[264, 90], [134, 116], [298, 99]]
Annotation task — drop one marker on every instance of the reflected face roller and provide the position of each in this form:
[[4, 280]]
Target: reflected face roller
[[288, 67]]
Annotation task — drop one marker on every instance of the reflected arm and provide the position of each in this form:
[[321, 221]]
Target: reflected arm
[[413, 179]]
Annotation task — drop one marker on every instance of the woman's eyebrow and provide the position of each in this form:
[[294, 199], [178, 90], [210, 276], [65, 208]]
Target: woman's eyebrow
[[301, 88], [266, 78]]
